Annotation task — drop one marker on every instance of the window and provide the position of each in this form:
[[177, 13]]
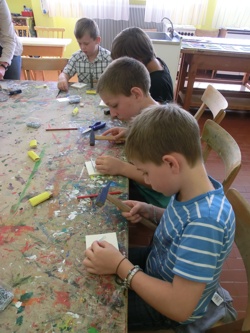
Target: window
[[102, 9], [232, 14], [179, 11]]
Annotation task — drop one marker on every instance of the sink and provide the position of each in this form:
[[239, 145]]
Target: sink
[[157, 35]]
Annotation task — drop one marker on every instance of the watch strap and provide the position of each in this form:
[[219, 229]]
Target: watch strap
[[4, 66]]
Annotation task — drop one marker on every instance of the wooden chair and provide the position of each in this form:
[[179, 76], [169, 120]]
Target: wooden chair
[[216, 138], [42, 64], [215, 102], [22, 30], [49, 32], [207, 33], [242, 239]]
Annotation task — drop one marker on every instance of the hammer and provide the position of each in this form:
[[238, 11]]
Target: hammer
[[103, 195]]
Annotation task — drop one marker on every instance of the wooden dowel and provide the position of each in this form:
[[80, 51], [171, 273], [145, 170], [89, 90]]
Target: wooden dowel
[[108, 137], [125, 208], [62, 129]]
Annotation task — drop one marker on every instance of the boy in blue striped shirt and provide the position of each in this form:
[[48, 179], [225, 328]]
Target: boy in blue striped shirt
[[180, 271]]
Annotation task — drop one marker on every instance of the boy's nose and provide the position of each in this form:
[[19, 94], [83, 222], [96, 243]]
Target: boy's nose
[[113, 112]]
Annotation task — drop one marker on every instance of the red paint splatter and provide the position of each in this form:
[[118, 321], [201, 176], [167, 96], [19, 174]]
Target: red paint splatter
[[27, 247], [62, 297], [8, 233]]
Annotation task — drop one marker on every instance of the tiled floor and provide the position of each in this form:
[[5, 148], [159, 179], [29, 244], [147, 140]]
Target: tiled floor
[[233, 276]]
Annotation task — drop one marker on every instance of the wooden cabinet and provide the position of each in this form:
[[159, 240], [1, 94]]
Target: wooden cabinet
[[28, 21]]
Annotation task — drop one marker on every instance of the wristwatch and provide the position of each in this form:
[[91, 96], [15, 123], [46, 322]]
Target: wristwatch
[[4, 66]]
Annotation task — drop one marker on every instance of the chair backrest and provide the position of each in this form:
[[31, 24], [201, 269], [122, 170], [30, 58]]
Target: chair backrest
[[242, 239], [207, 33], [216, 138], [49, 32], [215, 102], [22, 30], [42, 64]]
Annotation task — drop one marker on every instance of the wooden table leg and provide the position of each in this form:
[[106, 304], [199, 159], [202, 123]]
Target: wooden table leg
[[181, 77], [190, 83]]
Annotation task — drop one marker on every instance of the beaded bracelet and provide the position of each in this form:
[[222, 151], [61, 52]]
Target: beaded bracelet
[[154, 214], [131, 274]]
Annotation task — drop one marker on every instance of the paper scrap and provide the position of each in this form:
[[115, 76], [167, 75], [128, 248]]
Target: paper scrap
[[62, 99], [78, 85], [102, 104], [90, 165], [109, 237]]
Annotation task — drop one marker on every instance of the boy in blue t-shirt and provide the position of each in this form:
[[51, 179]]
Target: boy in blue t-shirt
[[179, 274]]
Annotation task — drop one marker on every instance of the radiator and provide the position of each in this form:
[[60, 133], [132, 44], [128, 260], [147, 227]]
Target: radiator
[[185, 30], [110, 28]]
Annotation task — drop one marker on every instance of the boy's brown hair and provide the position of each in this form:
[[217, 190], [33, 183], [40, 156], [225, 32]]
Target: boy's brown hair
[[160, 130], [86, 26], [133, 42], [122, 75]]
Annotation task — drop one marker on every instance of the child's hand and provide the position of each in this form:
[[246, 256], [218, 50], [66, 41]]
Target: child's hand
[[138, 210], [109, 165], [102, 258], [63, 85], [117, 132]]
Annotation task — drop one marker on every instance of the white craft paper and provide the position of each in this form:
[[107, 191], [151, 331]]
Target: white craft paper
[[90, 165], [78, 85], [102, 104], [108, 237]]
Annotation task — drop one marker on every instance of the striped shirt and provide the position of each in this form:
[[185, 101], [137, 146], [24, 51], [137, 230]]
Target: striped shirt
[[193, 240], [80, 65]]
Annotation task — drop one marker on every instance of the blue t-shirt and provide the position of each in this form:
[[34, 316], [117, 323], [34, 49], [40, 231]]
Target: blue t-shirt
[[193, 240]]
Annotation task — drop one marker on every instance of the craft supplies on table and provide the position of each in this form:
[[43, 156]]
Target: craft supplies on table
[[42, 246]]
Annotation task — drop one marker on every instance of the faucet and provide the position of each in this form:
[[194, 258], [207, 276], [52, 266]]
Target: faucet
[[170, 29]]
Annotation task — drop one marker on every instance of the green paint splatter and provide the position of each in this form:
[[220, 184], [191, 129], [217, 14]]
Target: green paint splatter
[[18, 281], [14, 208], [21, 309], [26, 297], [19, 321], [92, 330]]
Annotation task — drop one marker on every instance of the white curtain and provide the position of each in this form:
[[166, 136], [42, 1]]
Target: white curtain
[[232, 14], [191, 12], [101, 9]]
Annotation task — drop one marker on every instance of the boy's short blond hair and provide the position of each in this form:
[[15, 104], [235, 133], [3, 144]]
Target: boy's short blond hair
[[86, 26], [160, 130], [122, 75]]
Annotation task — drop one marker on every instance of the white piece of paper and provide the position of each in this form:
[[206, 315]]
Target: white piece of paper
[[78, 85], [103, 105], [62, 99], [110, 237], [90, 165]]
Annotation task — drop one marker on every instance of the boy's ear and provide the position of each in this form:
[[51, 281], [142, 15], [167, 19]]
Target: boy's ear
[[137, 92], [172, 162], [98, 40]]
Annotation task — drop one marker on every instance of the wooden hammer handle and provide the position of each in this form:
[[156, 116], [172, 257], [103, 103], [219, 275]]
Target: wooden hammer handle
[[125, 208], [108, 137]]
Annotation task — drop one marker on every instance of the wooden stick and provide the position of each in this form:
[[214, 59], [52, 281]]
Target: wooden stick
[[125, 208], [108, 137], [62, 129]]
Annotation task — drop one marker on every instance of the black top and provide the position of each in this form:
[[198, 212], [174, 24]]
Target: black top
[[161, 88]]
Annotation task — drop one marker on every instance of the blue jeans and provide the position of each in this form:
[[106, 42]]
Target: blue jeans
[[14, 70], [141, 316]]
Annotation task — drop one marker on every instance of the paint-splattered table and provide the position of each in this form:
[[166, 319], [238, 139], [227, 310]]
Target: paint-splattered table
[[42, 247]]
